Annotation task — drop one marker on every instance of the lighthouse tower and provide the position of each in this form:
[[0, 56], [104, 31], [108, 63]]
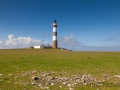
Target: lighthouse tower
[[54, 42]]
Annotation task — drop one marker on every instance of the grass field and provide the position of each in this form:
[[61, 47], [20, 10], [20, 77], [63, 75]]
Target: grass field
[[19, 61]]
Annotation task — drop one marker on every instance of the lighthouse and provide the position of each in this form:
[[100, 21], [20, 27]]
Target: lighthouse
[[54, 42]]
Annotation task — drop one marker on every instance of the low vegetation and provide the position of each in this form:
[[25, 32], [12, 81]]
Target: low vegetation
[[29, 69]]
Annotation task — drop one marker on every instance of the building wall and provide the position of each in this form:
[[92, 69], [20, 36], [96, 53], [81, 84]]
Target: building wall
[[36, 47]]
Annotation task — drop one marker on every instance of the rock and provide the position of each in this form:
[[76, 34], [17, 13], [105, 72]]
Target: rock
[[1, 74], [33, 83], [60, 86], [10, 74], [71, 88], [77, 80], [46, 87], [49, 78], [47, 83], [82, 80], [64, 79], [64, 83], [35, 78], [116, 83], [105, 75], [97, 89], [43, 75], [42, 88], [24, 75], [102, 81], [40, 85], [52, 83], [117, 76], [69, 85], [34, 72], [75, 83]]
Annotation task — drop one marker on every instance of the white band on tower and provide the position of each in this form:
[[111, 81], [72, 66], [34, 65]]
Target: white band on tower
[[54, 38], [54, 29]]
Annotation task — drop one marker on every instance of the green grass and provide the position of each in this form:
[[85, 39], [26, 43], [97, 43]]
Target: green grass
[[17, 61]]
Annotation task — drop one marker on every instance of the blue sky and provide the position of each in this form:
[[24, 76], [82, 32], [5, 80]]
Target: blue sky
[[85, 25]]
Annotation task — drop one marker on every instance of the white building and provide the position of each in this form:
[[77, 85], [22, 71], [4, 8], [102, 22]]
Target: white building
[[37, 47]]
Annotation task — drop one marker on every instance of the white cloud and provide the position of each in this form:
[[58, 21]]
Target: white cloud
[[1, 42], [70, 42], [13, 42]]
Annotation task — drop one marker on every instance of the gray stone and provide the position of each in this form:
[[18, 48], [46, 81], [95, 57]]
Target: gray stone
[[34, 72], [64, 83], [1, 74], [10, 74], [35, 78], [60, 86], [69, 85], [24, 75], [117, 76], [33, 83], [49, 78], [52, 83], [40, 85], [71, 88]]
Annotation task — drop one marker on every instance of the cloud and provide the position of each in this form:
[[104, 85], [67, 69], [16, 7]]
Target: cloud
[[13, 42], [114, 38], [70, 42], [1, 42]]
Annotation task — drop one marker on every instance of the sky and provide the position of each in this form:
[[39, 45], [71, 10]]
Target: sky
[[83, 25]]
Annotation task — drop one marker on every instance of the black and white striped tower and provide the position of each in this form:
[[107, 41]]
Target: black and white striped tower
[[54, 42]]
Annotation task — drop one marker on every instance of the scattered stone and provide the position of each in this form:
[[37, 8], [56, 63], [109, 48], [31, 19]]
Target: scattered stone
[[97, 89], [10, 74], [46, 87], [49, 78], [64, 79], [35, 78], [1, 74], [101, 81], [34, 72], [71, 88], [64, 83], [52, 84], [33, 83], [105, 75], [60, 86], [24, 75], [69, 85], [0, 80], [117, 76], [40, 85], [85, 83]]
